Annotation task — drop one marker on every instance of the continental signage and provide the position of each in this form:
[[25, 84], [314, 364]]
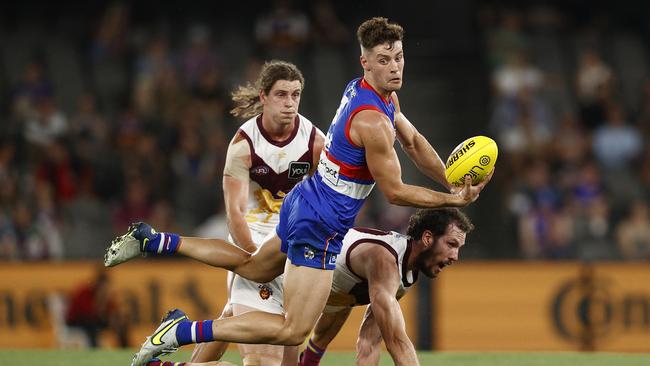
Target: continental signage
[[145, 288], [544, 306]]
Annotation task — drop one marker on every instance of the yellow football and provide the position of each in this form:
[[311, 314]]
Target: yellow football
[[475, 156]]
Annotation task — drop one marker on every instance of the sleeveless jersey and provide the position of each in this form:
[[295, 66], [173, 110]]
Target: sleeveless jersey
[[342, 182], [349, 289], [276, 167]]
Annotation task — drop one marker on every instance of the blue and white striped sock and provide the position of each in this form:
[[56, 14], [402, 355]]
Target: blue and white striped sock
[[194, 332], [162, 243]]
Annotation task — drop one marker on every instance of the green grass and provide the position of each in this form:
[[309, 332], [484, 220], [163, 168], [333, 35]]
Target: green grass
[[117, 358]]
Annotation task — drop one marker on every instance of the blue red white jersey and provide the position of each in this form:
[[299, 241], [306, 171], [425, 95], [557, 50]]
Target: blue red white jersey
[[342, 182]]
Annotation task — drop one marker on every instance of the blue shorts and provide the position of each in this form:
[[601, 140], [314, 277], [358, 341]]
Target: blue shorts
[[306, 239]]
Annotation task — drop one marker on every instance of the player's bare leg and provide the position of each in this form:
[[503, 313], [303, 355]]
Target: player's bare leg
[[141, 239], [262, 266], [257, 354], [327, 327], [211, 351], [305, 294], [290, 356], [157, 362]]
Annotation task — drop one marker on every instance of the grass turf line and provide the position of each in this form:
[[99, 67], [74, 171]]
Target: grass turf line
[[117, 358]]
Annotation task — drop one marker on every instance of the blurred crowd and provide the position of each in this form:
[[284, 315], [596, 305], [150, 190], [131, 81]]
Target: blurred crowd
[[570, 110], [113, 119], [129, 121]]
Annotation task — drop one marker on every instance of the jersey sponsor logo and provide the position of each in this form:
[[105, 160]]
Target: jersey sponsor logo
[[332, 259], [260, 170], [265, 291], [298, 169], [329, 171]]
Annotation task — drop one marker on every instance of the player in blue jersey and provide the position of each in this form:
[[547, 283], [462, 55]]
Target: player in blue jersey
[[318, 212]]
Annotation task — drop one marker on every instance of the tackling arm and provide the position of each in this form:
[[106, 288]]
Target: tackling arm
[[369, 341], [380, 268]]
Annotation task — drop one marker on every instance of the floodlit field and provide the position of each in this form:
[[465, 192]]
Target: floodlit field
[[123, 358]]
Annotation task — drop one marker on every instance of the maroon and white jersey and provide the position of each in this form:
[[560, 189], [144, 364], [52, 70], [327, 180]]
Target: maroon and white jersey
[[349, 289], [275, 168]]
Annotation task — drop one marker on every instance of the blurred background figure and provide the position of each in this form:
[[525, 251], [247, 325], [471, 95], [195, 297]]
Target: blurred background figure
[[93, 307], [633, 232]]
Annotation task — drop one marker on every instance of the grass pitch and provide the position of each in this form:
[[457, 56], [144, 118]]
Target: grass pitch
[[117, 358]]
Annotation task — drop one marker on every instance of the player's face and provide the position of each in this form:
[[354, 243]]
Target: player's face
[[386, 64], [443, 251], [281, 104]]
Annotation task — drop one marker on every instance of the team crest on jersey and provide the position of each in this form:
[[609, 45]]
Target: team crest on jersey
[[309, 254], [298, 169], [260, 170], [265, 292]]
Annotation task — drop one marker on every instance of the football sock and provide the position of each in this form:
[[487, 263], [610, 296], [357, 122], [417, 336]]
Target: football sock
[[311, 355], [194, 332], [162, 243], [157, 362]]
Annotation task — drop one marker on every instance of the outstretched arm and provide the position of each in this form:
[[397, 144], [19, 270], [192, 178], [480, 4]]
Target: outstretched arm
[[375, 133], [418, 149], [369, 341]]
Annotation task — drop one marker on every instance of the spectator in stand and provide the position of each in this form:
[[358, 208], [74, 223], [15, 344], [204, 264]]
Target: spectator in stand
[[617, 143], [89, 124], [46, 124], [283, 32], [327, 28], [517, 74], [200, 56], [594, 83], [136, 205], [593, 230], [633, 232], [34, 86], [150, 68], [36, 238], [507, 38], [523, 126], [108, 53], [61, 171], [543, 224]]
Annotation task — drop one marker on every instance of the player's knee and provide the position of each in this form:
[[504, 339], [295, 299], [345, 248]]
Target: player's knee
[[293, 335]]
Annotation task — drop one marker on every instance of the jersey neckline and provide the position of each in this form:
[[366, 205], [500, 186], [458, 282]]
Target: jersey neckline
[[267, 137], [364, 84]]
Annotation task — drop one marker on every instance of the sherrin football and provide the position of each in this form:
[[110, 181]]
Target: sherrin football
[[475, 156]]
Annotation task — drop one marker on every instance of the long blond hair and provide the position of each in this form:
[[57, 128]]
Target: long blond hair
[[247, 98]]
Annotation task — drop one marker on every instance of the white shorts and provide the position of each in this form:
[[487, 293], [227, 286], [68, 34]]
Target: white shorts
[[261, 296]]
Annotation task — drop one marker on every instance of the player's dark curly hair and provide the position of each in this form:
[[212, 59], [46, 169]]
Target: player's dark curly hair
[[436, 220], [247, 99], [377, 31]]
